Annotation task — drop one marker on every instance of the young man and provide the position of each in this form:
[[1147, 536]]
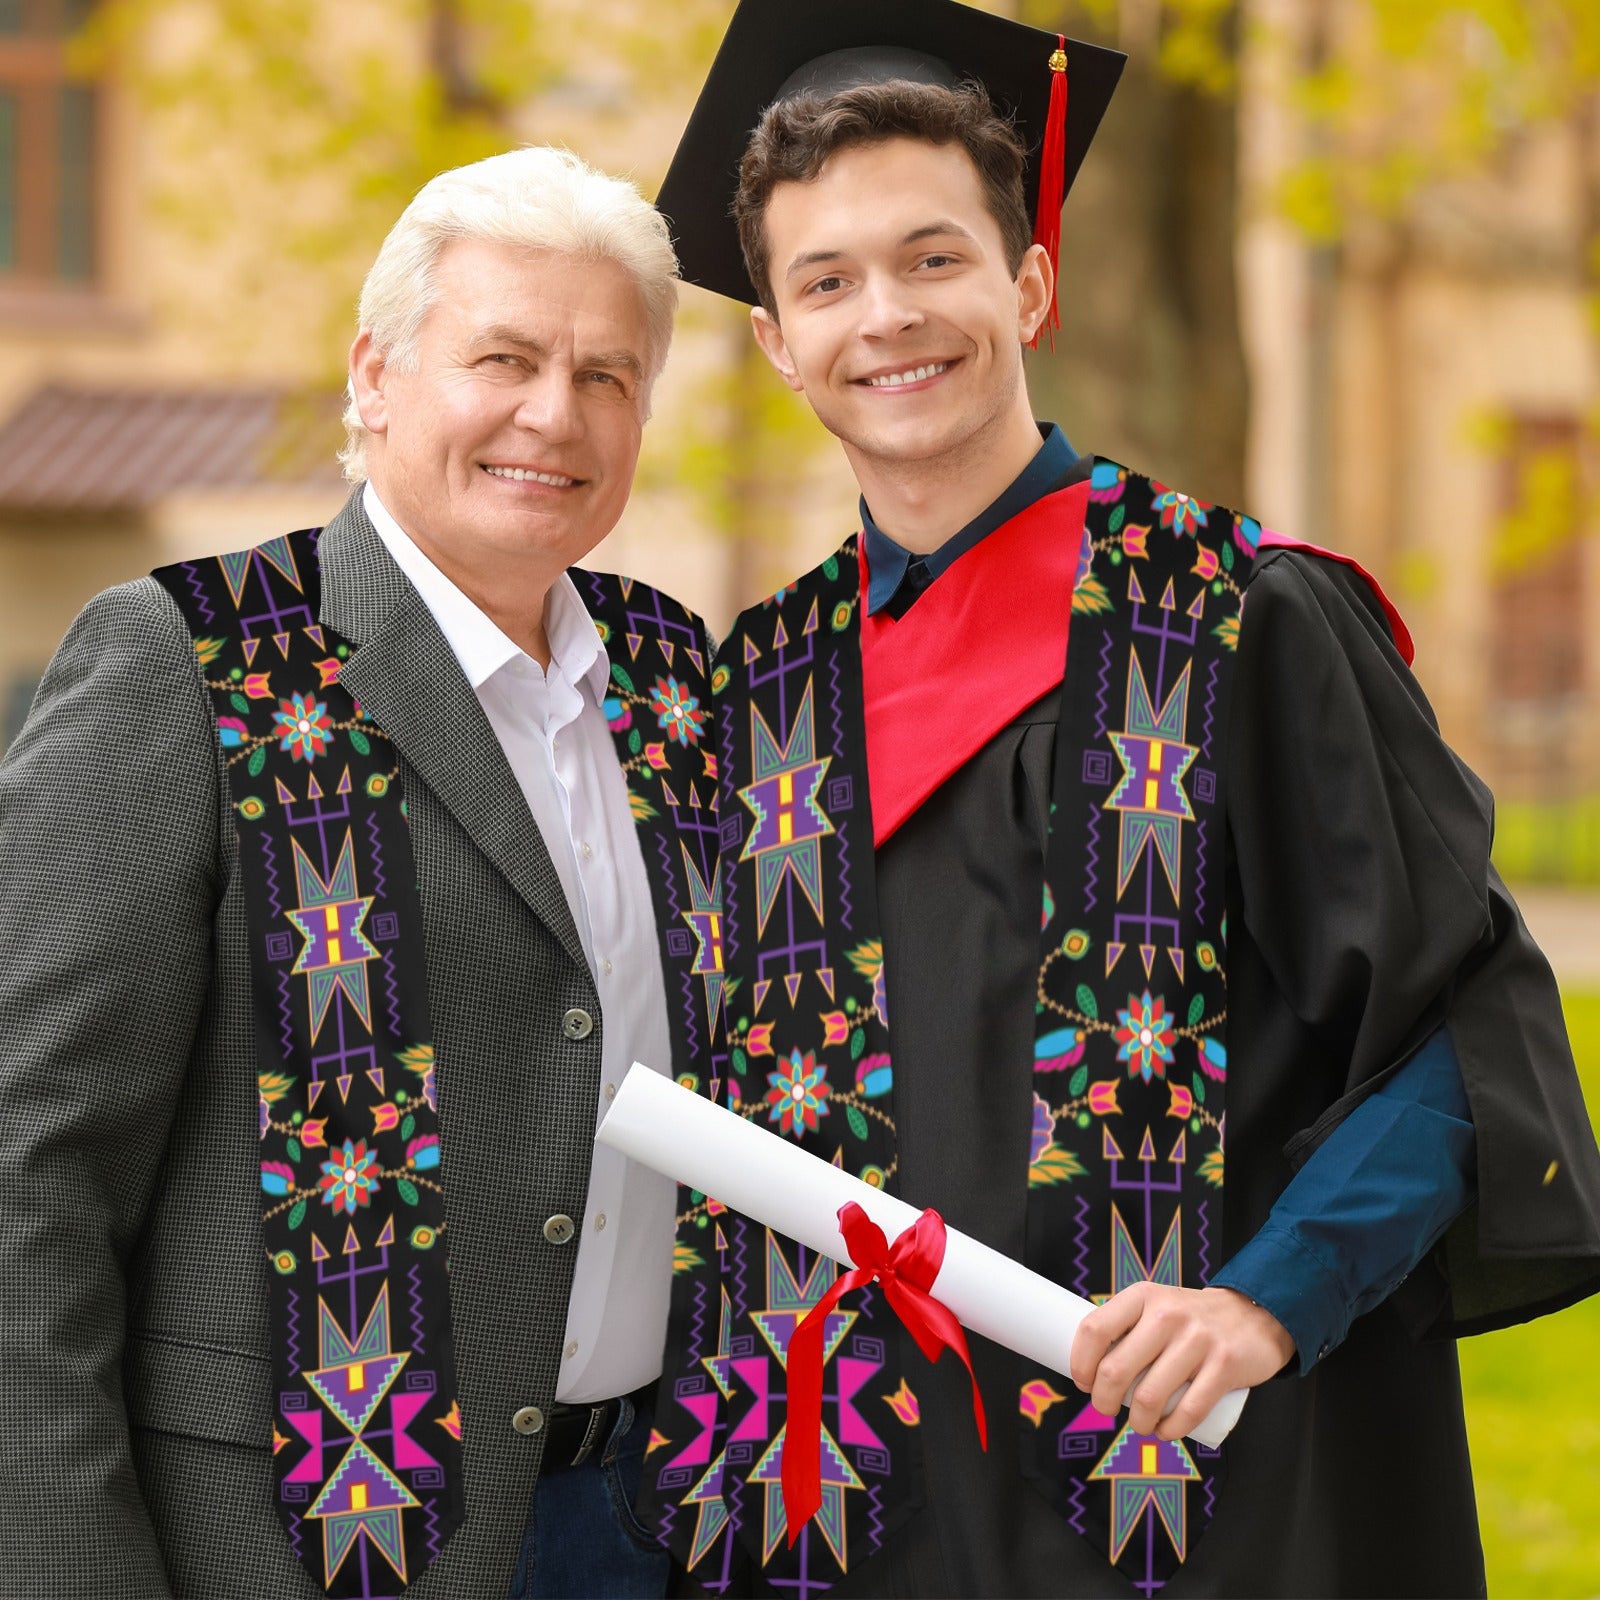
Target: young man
[[1044, 869], [339, 887]]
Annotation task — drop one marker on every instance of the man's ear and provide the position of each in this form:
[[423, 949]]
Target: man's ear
[[1036, 282], [367, 372], [774, 347]]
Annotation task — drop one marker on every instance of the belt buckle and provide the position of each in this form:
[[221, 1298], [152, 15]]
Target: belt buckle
[[591, 1434]]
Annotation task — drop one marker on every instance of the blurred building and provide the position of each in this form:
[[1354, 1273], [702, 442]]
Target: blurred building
[[1422, 394], [1425, 395]]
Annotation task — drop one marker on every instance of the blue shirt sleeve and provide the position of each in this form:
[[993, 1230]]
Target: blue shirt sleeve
[[1367, 1206]]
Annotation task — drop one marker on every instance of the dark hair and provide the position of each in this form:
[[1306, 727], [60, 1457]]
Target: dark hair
[[796, 137]]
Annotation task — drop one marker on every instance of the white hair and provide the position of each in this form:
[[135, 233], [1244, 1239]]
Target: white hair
[[537, 197]]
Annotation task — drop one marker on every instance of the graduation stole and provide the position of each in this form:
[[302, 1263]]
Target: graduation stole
[[1126, 1161], [367, 1426]]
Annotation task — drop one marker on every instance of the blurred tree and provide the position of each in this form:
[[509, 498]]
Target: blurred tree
[[291, 133]]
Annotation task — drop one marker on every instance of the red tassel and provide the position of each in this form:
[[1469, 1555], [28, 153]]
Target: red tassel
[[1052, 182]]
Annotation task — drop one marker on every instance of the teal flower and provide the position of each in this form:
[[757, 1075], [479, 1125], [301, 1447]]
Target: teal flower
[[797, 1094], [1182, 513], [677, 711], [350, 1180], [303, 726], [1145, 1037]]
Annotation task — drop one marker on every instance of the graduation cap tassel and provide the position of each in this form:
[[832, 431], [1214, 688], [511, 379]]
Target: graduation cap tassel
[[1052, 182]]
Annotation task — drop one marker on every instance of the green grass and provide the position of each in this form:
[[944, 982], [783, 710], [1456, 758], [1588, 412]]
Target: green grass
[[1533, 1414]]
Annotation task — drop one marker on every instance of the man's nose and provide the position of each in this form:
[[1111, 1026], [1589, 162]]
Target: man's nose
[[887, 307], [549, 406]]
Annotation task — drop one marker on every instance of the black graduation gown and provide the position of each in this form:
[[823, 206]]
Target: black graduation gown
[[1363, 911]]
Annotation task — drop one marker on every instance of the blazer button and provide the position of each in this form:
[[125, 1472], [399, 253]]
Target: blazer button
[[559, 1229], [577, 1024], [530, 1419]]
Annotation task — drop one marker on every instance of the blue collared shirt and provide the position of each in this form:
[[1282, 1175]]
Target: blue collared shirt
[[898, 575], [1381, 1190]]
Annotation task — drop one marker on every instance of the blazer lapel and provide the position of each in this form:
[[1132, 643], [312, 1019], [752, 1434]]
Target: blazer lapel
[[404, 674]]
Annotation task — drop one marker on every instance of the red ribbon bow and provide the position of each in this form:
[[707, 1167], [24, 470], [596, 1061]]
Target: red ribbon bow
[[906, 1271]]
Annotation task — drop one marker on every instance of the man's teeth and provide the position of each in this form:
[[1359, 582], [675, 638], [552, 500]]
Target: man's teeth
[[518, 475], [916, 374]]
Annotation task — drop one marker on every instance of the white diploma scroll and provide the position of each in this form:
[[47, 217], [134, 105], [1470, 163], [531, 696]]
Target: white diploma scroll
[[674, 1131]]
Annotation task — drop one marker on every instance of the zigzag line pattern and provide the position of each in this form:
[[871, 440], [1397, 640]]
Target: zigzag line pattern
[[875, 1515], [697, 1317], [842, 855], [730, 801], [191, 572], [691, 1022], [295, 1521], [1102, 713], [1077, 1512], [668, 876], [737, 1245], [391, 991], [434, 1542], [285, 1016], [1211, 705], [1091, 859], [1202, 1240], [291, 1327], [418, 1327], [269, 865], [379, 883], [1080, 1246]]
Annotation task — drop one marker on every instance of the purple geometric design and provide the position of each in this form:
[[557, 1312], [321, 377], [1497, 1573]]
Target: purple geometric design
[[1097, 767], [841, 793], [280, 947], [386, 926], [1205, 784], [679, 942], [192, 572], [731, 833]]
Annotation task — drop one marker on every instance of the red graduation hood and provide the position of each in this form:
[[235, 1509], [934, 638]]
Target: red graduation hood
[[981, 645]]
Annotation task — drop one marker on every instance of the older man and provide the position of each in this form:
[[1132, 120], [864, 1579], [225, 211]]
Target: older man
[[333, 879]]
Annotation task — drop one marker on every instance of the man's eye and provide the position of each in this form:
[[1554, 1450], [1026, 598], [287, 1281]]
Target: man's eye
[[938, 261], [502, 357], [826, 285], [606, 377]]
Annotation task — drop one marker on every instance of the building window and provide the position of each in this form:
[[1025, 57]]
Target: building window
[[48, 129]]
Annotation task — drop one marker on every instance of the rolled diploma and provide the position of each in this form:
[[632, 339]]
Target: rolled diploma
[[679, 1133]]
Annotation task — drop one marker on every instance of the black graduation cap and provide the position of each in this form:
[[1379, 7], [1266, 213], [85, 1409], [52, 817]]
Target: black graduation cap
[[777, 48]]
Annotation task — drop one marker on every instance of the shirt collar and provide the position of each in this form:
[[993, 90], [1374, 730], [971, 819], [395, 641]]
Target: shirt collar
[[888, 562], [478, 642]]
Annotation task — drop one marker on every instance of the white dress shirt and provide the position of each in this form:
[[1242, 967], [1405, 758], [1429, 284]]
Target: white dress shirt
[[554, 734]]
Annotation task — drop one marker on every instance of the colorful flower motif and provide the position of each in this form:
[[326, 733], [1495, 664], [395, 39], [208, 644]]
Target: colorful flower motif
[[451, 1422], [313, 1134], [1206, 565], [350, 1180], [257, 685], [1106, 482], [904, 1404], [655, 753], [1213, 1059], [874, 1077], [1075, 944], [1182, 513], [1145, 1037], [1247, 534], [1227, 632], [1135, 541], [285, 1263], [618, 717], [208, 650], [1207, 955], [1103, 1098], [758, 1041], [1182, 1105], [799, 1090], [1211, 1169], [1044, 1131], [231, 732], [711, 763], [874, 1177], [1037, 1397], [423, 1153], [1048, 1162], [835, 1027], [303, 727], [385, 1117], [423, 1237], [277, 1178], [328, 671], [677, 711], [1062, 1048]]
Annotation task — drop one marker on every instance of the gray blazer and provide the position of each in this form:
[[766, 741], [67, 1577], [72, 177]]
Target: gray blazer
[[135, 1455]]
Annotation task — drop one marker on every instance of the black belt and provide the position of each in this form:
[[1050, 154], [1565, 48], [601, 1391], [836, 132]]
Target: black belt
[[575, 1433]]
